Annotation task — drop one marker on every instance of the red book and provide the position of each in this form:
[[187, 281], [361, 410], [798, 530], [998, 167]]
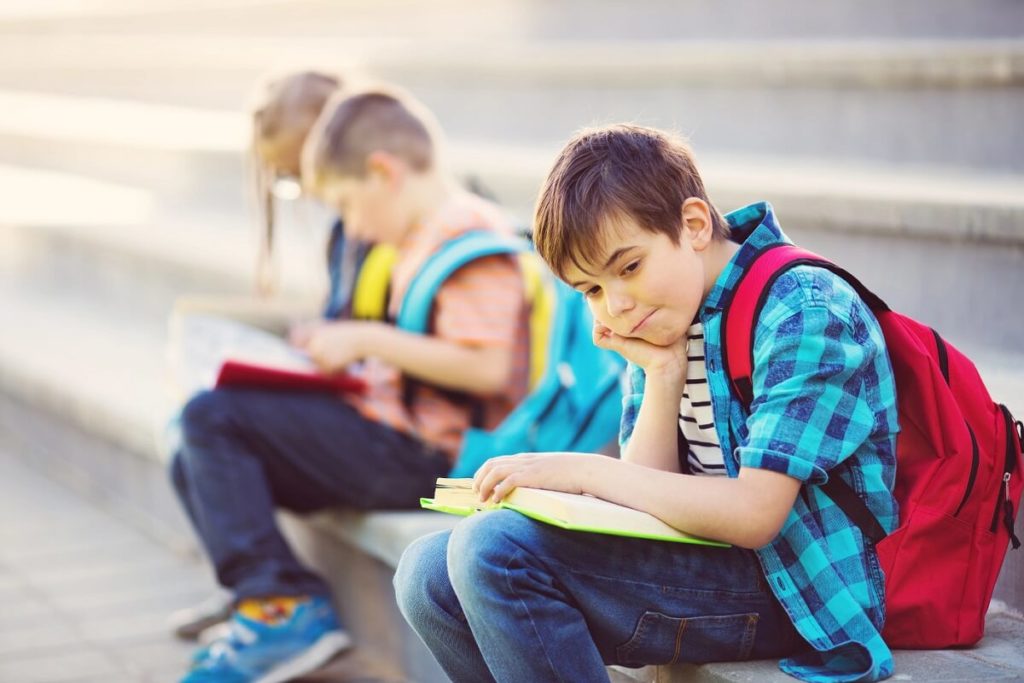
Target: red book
[[244, 374], [214, 351]]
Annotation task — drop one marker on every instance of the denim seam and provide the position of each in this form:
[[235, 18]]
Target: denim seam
[[749, 635], [679, 641], [624, 652], [518, 554]]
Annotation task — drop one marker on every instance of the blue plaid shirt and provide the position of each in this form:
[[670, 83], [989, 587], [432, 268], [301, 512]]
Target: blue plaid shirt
[[824, 405]]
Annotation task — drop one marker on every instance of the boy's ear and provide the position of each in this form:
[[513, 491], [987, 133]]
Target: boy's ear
[[697, 224], [385, 167]]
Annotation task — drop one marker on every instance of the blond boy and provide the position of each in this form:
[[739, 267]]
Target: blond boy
[[374, 157]]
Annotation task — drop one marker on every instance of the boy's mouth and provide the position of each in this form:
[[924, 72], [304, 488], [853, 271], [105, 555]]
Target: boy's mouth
[[641, 323]]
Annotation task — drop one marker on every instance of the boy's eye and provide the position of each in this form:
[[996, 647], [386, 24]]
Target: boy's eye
[[593, 291], [631, 267]]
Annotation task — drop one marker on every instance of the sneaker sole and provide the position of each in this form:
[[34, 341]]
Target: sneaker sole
[[327, 646], [189, 623]]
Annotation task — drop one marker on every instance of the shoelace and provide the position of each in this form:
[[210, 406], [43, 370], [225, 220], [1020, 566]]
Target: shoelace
[[225, 650]]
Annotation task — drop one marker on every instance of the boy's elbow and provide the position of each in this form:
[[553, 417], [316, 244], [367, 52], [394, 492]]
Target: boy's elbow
[[758, 527], [495, 380], [492, 371], [765, 499], [752, 539]]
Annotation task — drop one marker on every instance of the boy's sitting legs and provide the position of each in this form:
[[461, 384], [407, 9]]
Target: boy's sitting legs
[[244, 454], [582, 601]]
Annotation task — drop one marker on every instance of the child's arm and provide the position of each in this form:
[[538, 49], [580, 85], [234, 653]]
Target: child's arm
[[655, 441], [476, 369], [654, 438], [477, 317], [747, 511]]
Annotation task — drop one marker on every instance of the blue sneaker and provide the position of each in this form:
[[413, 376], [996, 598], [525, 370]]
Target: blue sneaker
[[254, 652]]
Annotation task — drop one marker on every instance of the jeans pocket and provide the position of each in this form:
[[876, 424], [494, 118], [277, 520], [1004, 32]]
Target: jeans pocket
[[661, 639]]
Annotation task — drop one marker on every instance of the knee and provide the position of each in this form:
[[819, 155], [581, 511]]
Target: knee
[[205, 412], [421, 578], [481, 549]]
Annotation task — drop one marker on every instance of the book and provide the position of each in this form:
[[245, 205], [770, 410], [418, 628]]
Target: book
[[571, 511], [218, 352], [259, 374]]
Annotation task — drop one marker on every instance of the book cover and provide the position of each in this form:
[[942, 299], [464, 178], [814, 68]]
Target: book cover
[[218, 352], [570, 511], [254, 374]]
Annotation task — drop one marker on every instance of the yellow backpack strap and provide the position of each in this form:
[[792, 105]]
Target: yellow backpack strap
[[369, 300], [540, 295]]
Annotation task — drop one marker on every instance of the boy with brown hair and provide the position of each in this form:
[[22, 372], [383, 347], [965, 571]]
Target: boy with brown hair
[[374, 157], [624, 218]]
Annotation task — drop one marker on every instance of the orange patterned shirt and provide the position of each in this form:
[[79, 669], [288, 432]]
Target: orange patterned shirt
[[481, 304]]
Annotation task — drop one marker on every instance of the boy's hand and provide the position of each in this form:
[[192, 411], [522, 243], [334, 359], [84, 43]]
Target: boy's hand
[[569, 472], [300, 333], [333, 346], [664, 362]]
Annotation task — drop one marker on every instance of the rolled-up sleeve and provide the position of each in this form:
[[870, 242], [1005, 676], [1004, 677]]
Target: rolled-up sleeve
[[632, 396], [809, 411]]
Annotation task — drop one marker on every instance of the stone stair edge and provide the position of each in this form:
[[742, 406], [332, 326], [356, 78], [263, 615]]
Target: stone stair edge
[[945, 203], [875, 63], [119, 425]]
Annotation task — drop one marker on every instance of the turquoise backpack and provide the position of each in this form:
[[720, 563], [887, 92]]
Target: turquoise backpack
[[575, 399]]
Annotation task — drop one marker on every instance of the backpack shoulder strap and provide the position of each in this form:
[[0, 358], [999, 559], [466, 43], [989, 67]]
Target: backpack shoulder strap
[[373, 283], [418, 301], [749, 296], [414, 313], [738, 324]]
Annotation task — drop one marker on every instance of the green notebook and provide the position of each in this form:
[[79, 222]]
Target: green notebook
[[565, 510]]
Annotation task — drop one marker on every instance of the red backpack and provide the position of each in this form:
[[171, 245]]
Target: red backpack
[[958, 467]]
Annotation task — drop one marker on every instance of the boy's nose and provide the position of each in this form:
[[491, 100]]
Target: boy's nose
[[618, 304]]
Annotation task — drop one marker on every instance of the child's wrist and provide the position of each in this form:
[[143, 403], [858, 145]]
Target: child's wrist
[[369, 338], [669, 382], [599, 475]]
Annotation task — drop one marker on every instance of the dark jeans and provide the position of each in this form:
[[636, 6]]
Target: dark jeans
[[505, 598], [246, 452]]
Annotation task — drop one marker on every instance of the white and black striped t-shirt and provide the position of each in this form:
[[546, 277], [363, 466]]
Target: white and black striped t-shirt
[[696, 419]]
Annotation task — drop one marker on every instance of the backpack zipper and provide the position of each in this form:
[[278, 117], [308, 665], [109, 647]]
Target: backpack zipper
[[975, 456], [943, 354], [1014, 432]]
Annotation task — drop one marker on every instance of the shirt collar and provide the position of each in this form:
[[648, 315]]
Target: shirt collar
[[753, 227]]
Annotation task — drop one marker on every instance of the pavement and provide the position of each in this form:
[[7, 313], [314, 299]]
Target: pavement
[[86, 595]]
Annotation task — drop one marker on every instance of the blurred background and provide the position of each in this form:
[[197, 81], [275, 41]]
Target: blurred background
[[887, 135]]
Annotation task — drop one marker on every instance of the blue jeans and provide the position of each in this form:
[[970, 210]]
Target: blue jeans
[[246, 452], [505, 598]]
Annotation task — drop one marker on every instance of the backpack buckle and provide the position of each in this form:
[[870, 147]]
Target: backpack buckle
[[566, 377]]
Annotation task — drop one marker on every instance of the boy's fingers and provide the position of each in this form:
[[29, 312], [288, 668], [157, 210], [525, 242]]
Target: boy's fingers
[[487, 485], [608, 340], [488, 480], [485, 479], [481, 473]]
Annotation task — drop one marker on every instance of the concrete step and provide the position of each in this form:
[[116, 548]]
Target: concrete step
[[853, 100], [926, 200], [134, 245], [875, 219], [997, 658], [529, 19]]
